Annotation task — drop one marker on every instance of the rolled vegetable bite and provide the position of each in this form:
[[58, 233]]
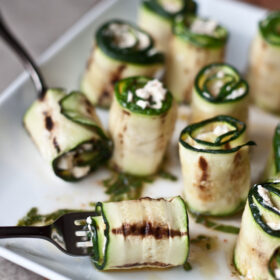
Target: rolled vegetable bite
[[219, 90], [215, 166], [67, 133], [264, 65], [144, 233], [121, 50], [272, 170], [156, 16], [195, 43], [259, 235], [141, 122]]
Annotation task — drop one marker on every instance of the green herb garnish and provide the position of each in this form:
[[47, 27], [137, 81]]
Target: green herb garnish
[[216, 226]]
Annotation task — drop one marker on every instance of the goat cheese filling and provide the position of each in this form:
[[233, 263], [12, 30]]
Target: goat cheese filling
[[68, 163], [264, 193], [204, 26], [124, 36], [209, 135], [171, 6], [152, 95]]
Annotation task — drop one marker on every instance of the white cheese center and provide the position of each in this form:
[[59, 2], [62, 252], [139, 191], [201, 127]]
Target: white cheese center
[[203, 26], [66, 162], [172, 6], [265, 196], [236, 93], [125, 36], [277, 273], [152, 94], [208, 136], [212, 135]]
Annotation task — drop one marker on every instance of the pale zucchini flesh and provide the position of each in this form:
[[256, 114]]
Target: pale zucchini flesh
[[155, 19], [140, 138], [144, 233], [189, 52]]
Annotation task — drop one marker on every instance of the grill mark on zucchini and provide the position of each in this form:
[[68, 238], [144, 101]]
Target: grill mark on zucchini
[[203, 165], [49, 123], [147, 229], [160, 264], [56, 146], [126, 112], [109, 88]]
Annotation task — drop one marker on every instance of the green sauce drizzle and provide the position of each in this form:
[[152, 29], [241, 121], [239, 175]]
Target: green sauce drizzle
[[122, 186], [33, 217], [187, 266], [216, 226]]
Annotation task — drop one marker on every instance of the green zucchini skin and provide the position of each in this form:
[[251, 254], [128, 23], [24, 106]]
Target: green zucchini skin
[[272, 170], [122, 233], [110, 62], [68, 134], [274, 264], [140, 136], [189, 53], [154, 18], [208, 100], [268, 28], [257, 238], [216, 173], [265, 52]]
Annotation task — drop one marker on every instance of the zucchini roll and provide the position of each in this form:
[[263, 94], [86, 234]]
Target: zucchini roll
[[219, 90], [272, 170], [121, 50], [195, 43], [264, 65], [156, 16], [141, 122], [144, 233], [215, 166], [259, 235], [67, 133]]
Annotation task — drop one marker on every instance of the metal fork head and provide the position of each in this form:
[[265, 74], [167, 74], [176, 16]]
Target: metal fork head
[[70, 234]]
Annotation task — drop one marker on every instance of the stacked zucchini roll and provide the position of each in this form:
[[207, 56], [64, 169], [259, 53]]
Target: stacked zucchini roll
[[259, 236], [67, 133], [264, 67], [195, 43], [121, 50], [141, 122], [156, 16], [219, 90], [272, 170], [144, 233], [215, 166]]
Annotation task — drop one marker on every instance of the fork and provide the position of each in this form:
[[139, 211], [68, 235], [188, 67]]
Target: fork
[[68, 233]]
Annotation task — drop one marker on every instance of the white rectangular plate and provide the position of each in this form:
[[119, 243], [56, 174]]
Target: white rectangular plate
[[27, 181]]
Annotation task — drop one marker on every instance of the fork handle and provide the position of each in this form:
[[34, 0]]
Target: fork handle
[[26, 59], [32, 232]]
